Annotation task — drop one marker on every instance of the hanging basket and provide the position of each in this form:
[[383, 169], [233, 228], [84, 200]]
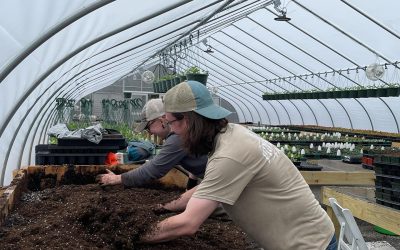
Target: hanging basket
[[202, 78]]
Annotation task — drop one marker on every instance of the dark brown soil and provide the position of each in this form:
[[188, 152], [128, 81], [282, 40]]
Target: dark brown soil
[[92, 217]]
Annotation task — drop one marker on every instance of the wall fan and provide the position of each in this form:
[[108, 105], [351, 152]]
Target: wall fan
[[375, 72], [148, 77]]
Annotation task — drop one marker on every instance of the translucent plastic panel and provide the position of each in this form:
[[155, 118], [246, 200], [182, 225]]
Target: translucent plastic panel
[[23, 21], [253, 57], [394, 104], [228, 56], [307, 113], [371, 35], [290, 48], [223, 80], [282, 113], [339, 116], [293, 113], [324, 117], [382, 115], [358, 115], [276, 55]]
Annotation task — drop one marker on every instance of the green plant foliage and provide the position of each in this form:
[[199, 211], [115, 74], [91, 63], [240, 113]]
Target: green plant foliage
[[126, 131], [53, 140], [194, 70]]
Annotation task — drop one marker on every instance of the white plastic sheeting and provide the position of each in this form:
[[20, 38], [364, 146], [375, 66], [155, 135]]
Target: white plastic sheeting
[[71, 48]]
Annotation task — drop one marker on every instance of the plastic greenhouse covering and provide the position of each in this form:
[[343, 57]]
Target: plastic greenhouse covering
[[72, 48]]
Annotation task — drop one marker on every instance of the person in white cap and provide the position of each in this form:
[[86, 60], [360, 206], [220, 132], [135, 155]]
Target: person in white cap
[[171, 154], [258, 186]]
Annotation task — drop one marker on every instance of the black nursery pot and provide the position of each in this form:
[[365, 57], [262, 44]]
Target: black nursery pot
[[202, 78]]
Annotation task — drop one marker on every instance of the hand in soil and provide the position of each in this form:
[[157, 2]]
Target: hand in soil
[[108, 179], [160, 209]]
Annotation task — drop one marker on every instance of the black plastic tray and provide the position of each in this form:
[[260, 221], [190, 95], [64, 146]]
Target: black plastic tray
[[51, 148], [78, 159]]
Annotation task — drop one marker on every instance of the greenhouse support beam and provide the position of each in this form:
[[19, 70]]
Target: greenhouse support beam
[[371, 19], [26, 137], [344, 33], [328, 47], [280, 53], [224, 70], [50, 33], [283, 106], [243, 97], [75, 52], [203, 21], [298, 110], [327, 110], [347, 113], [260, 75], [319, 41], [303, 51], [391, 111], [212, 25], [235, 69], [151, 30], [253, 63], [369, 117], [232, 74], [230, 99], [312, 111], [51, 116], [280, 66]]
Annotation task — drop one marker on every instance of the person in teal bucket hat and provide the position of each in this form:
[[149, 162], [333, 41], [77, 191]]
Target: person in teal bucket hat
[[257, 184]]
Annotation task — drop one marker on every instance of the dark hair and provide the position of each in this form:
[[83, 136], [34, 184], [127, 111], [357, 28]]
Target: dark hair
[[200, 136]]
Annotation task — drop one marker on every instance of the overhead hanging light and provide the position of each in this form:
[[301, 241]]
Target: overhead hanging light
[[282, 17], [282, 12], [209, 49]]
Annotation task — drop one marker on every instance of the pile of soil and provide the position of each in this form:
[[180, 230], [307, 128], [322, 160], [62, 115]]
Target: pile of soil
[[92, 217]]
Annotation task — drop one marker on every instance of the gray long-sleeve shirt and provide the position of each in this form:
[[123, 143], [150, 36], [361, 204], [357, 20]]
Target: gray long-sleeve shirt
[[170, 155]]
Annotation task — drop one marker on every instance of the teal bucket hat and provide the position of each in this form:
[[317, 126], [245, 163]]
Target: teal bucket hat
[[193, 96]]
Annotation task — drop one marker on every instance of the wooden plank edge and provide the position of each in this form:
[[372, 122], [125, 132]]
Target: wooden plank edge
[[375, 214], [339, 178], [11, 195]]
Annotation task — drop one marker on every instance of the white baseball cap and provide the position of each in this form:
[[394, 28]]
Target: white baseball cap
[[153, 109]]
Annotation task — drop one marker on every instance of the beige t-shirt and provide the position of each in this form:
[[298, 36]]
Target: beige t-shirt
[[264, 193]]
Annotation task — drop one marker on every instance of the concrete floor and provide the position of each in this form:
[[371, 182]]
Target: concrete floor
[[366, 229]]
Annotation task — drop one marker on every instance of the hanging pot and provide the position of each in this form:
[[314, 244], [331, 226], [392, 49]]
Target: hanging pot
[[202, 78]]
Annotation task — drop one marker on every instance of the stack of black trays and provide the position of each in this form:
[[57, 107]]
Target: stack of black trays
[[387, 183], [79, 151]]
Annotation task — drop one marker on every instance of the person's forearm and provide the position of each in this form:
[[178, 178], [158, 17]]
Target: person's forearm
[[168, 229], [180, 203]]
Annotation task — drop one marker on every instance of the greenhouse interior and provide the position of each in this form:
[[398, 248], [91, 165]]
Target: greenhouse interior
[[315, 82]]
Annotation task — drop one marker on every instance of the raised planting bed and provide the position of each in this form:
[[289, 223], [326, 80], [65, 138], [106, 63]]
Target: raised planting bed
[[83, 215]]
